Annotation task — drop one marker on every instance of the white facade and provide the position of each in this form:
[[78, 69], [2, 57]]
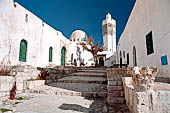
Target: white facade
[[147, 16], [19, 24], [43, 44], [79, 54]]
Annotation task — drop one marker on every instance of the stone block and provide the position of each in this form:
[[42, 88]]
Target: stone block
[[111, 89], [20, 86], [103, 94], [115, 83], [112, 83], [114, 78], [115, 101], [4, 87], [116, 94], [34, 84]]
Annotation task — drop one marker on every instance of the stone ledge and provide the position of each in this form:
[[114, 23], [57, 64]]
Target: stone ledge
[[34, 84], [116, 101], [111, 89], [116, 94]]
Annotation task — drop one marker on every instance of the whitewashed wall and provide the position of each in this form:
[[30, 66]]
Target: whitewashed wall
[[146, 16], [39, 36]]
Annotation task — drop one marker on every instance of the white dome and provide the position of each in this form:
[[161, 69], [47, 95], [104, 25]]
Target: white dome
[[79, 36]]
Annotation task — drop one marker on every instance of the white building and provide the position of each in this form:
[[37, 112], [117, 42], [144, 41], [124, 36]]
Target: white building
[[146, 38], [25, 39]]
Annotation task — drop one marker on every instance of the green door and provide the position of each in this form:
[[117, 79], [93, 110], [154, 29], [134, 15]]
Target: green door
[[23, 51], [101, 61], [50, 54], [63, 56]]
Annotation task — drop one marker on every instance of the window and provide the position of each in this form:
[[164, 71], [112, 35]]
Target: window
[[15, 5], [50, 54], [26, 18], [164, 60], [42, 23], [149, 43]]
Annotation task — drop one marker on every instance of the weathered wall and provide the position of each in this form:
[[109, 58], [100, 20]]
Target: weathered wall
[[146, 16], [156, 101]]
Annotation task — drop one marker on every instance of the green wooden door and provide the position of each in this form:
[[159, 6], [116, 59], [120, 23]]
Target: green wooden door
[[23, 51], [63, 56], [50, 54]]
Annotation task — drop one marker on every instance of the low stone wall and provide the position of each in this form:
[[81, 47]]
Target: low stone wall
[[34, 84], [23, 73], [58, 72], [156, 101], [6, 84]]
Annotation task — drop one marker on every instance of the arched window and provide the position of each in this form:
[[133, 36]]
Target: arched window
[[72, 58], [63, 56], [134, 56], [23, 51], [50, 54]]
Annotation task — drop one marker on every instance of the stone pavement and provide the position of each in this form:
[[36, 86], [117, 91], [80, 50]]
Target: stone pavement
[[42, 103]]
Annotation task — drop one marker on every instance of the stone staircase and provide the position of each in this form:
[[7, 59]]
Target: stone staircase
[[116, 96], [87, 82]]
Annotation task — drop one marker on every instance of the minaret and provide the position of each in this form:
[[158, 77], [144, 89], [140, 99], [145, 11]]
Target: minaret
[[109, 35]]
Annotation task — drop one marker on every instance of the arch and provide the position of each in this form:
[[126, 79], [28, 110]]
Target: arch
[[50, 54], [23, 51], [134, 56], [63, 56], [101, 61]]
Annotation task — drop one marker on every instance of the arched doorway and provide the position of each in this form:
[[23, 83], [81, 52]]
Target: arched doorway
[[50, 54], [72, 58], [63, 56], [134, 56], [23, 51], [101, 61], [120, 59]]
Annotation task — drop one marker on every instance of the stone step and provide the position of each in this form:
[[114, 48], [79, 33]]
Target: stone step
[[93, 71], [112, 101], [82, 81], [77, 78], [88, 74], [60, 91], [80, 87], [92, 68], [119, 108]]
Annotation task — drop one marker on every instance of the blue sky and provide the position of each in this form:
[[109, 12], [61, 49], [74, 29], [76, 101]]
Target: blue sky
[[87, 15]]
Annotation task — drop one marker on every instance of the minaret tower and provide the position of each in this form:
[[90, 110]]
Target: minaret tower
[[109, 35]]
